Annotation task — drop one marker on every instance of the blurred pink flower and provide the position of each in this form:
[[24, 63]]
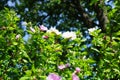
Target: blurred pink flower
[[17, 36], [77, 69], [43, 28], [61, 67], [45, 37], [67, 65], [75, 77], [53, 76]]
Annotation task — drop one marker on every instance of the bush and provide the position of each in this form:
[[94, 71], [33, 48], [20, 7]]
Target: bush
[[49, 52]]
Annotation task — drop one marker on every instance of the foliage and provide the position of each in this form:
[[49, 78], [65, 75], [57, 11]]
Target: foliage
[[106, 52], [39, 56], [45, 51], [61, 54]]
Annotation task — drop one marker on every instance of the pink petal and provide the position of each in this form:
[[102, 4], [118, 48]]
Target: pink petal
[[77, 69], [17, 36], [45, 37], [53, 76], [43, 28], [67, 65], [61, 67], [75, 77]]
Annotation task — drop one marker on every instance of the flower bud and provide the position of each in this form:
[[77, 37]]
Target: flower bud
[[77, 69], [45, 37], [17, 36]]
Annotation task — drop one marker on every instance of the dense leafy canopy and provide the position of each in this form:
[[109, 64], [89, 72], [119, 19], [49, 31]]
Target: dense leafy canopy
[[65, 14], [96, 51]]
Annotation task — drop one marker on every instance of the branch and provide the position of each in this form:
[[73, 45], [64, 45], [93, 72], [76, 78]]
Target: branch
[[88, 22], [101, 14]]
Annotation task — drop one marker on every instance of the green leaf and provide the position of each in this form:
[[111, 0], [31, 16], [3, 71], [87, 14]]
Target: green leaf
[[117, 71], [15, 43], [106, 60], [28, 73], [25, 55], [95, 49], [24, 78], [93, 2]]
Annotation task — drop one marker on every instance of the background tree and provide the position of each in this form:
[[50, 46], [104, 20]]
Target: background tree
[[66, 14]]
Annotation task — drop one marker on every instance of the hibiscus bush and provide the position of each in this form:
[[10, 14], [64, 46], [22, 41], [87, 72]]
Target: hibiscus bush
[[51, 51], [49, 54]]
